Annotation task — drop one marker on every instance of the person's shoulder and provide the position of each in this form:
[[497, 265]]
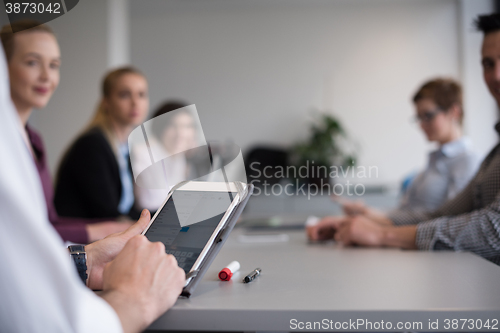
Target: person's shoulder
[[92, 135], [92, 142], [469, 155], [91, 138], [466, 162], [461, 151]]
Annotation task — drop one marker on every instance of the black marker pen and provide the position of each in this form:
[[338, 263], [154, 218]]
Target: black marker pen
[[250, 277]]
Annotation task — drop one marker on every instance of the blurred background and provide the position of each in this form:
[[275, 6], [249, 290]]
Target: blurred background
[[257, 69]]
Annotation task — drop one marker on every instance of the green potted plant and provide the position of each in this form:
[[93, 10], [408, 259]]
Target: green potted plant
[[324, 148]]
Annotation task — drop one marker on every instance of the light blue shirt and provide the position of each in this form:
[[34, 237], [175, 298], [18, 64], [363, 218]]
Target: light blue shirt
[[127, 196], [449, 170]]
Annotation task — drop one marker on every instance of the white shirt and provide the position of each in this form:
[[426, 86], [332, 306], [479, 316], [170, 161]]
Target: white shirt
[[40, 290], [449, 170]]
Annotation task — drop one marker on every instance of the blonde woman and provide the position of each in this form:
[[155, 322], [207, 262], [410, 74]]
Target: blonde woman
[[94, 179], [34, 60]]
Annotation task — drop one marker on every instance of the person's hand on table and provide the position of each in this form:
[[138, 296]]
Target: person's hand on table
[[353, 208], [356, 208], [325, 228], [98, 231], [360, 230], [101, 252], [142, 282]]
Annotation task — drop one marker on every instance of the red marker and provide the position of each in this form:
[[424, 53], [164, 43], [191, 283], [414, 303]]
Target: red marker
[[229, 270]]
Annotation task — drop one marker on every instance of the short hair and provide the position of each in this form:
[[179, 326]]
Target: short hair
[[444, 92], [488, 23], [8, 31]]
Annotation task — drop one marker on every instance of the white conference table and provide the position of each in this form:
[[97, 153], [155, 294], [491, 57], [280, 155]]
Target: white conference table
[[315, 282]]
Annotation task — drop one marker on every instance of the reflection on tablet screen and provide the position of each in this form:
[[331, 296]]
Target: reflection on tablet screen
[[187, 242]]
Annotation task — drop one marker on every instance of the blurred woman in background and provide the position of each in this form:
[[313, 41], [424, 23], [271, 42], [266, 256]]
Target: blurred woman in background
[[94, 179], [174, 135], [439, 112], [34, 60]]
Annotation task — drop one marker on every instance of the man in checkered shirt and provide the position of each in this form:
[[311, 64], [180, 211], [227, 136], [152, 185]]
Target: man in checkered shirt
[[469, 222]]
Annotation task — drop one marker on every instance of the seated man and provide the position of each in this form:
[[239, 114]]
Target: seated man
[[469, 222], [39, 286]]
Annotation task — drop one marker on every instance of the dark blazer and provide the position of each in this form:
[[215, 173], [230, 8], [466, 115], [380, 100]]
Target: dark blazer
[[88, 180]]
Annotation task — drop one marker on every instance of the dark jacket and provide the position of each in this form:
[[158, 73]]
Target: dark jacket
[[88, 179]]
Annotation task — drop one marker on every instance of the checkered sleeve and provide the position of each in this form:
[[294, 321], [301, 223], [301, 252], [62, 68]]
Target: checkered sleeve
[[407, 216], [477, 232]]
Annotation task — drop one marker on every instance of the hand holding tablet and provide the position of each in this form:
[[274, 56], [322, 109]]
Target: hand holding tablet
[[195, 220]]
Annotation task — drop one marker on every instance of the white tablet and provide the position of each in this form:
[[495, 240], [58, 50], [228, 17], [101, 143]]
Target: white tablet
[[192, 219]]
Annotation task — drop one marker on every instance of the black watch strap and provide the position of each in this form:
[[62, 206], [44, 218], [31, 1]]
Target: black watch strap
[[77, 252]]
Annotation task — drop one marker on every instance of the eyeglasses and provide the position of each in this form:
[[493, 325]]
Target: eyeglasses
[[426, 117]]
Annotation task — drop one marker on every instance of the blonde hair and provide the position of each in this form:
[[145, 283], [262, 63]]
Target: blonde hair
[[8, 31], [101, 118]]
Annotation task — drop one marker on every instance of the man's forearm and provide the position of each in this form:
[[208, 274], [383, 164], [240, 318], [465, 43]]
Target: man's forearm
[[378, 216], [402, 237]]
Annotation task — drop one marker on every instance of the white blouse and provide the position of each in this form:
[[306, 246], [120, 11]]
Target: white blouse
[[448, 171]]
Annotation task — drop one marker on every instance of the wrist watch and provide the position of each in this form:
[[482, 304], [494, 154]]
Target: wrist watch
[[79, 256]]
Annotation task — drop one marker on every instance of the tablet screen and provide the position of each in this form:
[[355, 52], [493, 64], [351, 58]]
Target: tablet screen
[[183, 239]]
